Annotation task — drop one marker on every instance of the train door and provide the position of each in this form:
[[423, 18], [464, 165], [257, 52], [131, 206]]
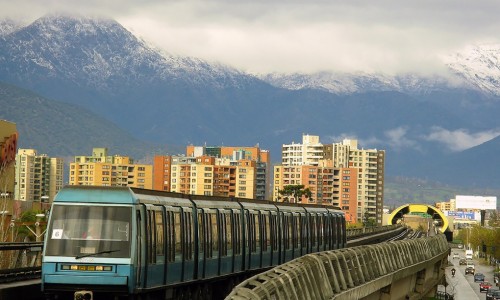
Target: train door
[[173, 245], [208, 240], [266, 238], [275, 239], [238, 242], [287, 236], [140, 253], [226, 263], [253, 239], [187, 240], [155, 246], [295, 220]]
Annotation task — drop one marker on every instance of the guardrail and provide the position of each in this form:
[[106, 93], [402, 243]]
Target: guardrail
[[20, 261], [342, 274], [357, 232]]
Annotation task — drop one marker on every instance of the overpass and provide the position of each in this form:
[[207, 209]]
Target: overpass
[[408, 269], [439, 220]]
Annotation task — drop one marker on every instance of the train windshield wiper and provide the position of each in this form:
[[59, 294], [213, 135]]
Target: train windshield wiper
[[97, 253]]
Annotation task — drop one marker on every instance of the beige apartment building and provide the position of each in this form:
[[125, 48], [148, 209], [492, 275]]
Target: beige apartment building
[[101, 169], [206, 175], [38, 177]]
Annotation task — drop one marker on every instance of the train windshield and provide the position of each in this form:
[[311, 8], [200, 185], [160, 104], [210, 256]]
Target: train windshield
[[83, 231]]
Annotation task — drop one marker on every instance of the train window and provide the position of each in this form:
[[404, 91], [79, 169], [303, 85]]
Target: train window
[[237, 232], [257, 230], [303, 230], [286, 232], [222, 234], [69, 223], [312, 229], [151, 236], [266, 232], [160, 242], [188, 235], [215, 234], [229, 233], [274, 232], [290, 231], [201, 233], [178, 231], [319, 225], [295, 231], [170, 236]]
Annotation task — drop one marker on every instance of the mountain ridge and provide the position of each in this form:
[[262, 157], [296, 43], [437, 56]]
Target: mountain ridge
[[163, 99]]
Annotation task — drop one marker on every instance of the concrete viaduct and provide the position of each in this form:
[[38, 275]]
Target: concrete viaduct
[[408, 269]]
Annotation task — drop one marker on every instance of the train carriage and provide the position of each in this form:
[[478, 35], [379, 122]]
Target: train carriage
[[129, 242]]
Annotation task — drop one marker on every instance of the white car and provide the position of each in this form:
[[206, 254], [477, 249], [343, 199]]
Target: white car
[[455, 255]]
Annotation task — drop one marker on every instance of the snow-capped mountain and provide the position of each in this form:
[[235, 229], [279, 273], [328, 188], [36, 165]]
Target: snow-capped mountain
[[100, 66], [7, 26], [96, 53], [349, 83], [479, 66]]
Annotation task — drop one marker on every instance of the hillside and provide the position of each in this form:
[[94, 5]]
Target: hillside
[[64, 130]]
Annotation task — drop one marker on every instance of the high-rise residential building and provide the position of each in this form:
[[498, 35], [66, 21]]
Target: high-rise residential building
[[309, 153], [370, 164], [38, 177], [237, 171], [339, 174], [8, 149], [101, 169]]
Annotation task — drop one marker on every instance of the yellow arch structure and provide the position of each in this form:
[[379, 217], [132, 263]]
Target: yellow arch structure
[[436, 214]]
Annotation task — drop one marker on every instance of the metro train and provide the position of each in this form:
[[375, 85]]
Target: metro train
[[131, 243]]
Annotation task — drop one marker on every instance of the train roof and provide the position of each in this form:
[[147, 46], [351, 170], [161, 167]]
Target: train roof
[[130, 195], [95, 194]]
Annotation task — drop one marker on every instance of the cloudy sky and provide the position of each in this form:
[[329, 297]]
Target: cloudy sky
[[296, 36]]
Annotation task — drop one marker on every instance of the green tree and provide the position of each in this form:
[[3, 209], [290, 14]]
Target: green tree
[[494, 220], [294, 193]]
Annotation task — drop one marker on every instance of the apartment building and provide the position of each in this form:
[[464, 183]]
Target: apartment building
[[207, 175], [101, 169], [37, 176], [8, 149], [370, 164], [236, 172], [339, 174], [309, 153]]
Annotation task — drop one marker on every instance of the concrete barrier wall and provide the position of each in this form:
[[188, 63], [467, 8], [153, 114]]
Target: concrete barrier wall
[[353, 273], [357, 232]]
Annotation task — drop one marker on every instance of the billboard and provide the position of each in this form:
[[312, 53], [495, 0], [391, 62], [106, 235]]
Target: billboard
[[470, 215], [475, 202]]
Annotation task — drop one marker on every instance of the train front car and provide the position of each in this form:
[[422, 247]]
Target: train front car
[[88, 244]]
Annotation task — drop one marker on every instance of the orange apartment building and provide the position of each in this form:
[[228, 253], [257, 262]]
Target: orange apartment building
[[236, 172]]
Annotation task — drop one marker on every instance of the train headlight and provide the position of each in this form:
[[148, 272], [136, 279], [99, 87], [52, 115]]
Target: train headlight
[[83, 295]]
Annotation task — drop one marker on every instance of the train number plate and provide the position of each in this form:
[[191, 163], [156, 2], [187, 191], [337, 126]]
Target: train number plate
[[87, 250]]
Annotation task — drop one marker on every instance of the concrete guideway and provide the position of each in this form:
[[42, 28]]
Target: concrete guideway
[[392, 270]]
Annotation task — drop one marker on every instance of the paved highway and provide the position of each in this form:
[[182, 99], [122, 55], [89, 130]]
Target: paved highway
[[462, 286]]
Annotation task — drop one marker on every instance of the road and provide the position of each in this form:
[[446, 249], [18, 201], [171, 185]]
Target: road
[[462, 286]]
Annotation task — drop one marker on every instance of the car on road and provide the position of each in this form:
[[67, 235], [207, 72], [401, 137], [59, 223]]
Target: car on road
[[478, 277], [469, 270], [485, 286], [460, 246], [491, 294], [462, 262], [455, 255]]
